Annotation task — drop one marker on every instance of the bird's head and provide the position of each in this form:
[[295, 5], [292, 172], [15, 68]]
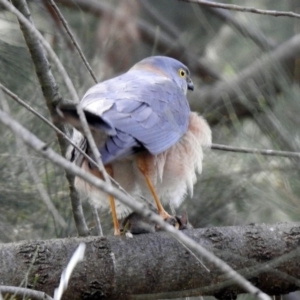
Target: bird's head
[[168, 67]]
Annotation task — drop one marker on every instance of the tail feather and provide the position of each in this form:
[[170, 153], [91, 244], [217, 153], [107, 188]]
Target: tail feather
[[69, 114], [72, 153], [111, 142]]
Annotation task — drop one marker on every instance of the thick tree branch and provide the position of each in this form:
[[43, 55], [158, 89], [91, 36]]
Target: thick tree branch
[[43, 149], [119, 268]]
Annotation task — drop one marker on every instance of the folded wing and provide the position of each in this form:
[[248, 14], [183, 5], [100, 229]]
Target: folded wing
[[137, 110]]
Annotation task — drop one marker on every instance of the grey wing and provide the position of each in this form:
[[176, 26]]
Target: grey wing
[[147, 111]]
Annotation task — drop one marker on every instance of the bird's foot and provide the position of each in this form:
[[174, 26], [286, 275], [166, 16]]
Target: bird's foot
[[179, 222], [183, 221], [172, 220], [137, 224]]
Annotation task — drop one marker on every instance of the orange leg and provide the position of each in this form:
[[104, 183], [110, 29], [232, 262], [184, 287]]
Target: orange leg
[[114, 215], [143, 168], [113, 206]]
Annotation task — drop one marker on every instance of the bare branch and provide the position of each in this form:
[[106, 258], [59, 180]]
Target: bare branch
[[56, 129], [34, 39], [247, 31], [29, 108], [266, 152], [165, 43], [23, 292], [43, 149], [31, 35], [254, 34], [97, 220], [41, 189], [77, 209], [68, 30], [164, 23], [148, 264], [46, 121], [37, 35], [273, 69], [274, 13]]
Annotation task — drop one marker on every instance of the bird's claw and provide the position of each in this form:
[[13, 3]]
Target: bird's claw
[[179, 222], [137, 224], [183, 221], [171, 220]]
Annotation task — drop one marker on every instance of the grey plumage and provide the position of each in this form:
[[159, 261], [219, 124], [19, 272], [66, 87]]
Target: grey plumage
[[146, 108]]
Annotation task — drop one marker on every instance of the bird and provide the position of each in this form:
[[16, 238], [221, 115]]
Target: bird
[[149, 140]]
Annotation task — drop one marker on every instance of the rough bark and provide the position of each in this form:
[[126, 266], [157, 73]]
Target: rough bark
[[125, 268]]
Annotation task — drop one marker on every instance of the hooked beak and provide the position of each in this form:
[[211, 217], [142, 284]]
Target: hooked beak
[[190, 84]]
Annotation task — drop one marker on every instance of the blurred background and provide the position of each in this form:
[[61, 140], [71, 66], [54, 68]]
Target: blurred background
[[246, 73]]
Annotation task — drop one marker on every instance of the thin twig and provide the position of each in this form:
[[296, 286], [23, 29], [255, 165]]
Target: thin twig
[[52, 126], [82, 117], [246, 30], [68, 30], [248, 272], [194, 255], [46, 121], [92, 143], [160, 19], [166, 43], [66, 78], [47, 152], [274, 69], [255, 151], [34, 175], [31, 28], [35, 33], [40, 187], [78, 214], [28, 107], [23, 292], [274, 13], [97, 219], [35, 42]]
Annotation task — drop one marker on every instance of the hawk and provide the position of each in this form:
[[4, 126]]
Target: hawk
[[149, 140]]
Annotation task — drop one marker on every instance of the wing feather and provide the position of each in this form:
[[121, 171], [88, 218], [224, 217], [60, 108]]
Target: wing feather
[[146, 109]]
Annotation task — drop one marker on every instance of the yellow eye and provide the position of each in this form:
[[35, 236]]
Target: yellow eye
[[182, 73]]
